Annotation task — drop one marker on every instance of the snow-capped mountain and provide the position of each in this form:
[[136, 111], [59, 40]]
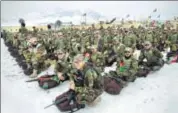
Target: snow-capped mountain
[[36, 18]]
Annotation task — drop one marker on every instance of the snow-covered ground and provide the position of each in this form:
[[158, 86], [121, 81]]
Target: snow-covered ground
[[158, 93]]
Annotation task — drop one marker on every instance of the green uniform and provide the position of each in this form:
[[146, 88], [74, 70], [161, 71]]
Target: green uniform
[[153, 56], [98, 60], [127, 67], [91, 88], [130, 40]]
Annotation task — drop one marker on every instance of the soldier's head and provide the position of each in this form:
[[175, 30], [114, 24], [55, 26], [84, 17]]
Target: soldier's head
[[23, 24], [94, 48], [116, 41], [147, 45], [97, 34], [128, 52], [78, 62], [60, 54], [33, 41], [60, 34], [49, 26]]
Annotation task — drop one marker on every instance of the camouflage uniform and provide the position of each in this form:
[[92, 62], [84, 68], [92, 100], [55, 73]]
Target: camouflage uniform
[[173, 39], [91, 87], [118, 47], [98, 60], [153, 57], [130, 40], [127, 68], [38, 58]]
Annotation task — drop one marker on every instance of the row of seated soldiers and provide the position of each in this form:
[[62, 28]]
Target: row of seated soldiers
[[90, 50]]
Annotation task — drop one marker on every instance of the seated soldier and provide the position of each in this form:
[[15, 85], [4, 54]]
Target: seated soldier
[[154, 58], [61, 67], [91, 88], [97, 58], [127, 66], [126, 70], [38, 57]]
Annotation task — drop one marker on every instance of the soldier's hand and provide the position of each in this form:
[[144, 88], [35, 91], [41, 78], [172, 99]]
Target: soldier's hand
[[60, 76], [72, 85]]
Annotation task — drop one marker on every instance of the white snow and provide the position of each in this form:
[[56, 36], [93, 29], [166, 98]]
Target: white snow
[[158, 93]]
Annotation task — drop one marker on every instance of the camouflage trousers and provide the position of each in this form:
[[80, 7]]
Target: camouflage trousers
[[174, 47], [38, 66], [89, 96]]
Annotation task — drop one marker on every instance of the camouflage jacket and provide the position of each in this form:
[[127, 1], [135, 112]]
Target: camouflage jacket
[[127, 67], [150, 55], [91, 80]]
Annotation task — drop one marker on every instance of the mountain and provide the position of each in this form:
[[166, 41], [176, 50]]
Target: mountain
[[51, 16]]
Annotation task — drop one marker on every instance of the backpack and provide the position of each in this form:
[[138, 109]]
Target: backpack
[[67, 102], [47, 82]]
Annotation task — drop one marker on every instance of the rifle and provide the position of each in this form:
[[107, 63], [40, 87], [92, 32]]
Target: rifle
[[71, 96], [32, 80]]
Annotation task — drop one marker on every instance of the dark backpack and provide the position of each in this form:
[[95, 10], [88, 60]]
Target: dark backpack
[[46, 82], [67, 102]]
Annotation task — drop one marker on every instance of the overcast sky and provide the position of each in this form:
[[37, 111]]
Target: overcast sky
[[13, 10]]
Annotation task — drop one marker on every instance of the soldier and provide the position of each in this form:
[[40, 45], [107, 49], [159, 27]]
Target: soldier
[[173, 40], [149, 36], [23, 29], [91, 88], [130, 40], [35, 30], [38, 52], [118, 47], [97, 58], [153, 57], [127, 66], [126, 70], [62, 66]]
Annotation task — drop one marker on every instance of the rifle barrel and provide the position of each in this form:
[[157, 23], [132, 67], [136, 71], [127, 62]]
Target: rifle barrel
[[32, 80], [49, 105]]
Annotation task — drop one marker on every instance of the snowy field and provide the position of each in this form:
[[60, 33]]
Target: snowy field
[[158, 93]]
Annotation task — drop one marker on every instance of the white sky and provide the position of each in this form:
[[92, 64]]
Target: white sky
[[13, 10]]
